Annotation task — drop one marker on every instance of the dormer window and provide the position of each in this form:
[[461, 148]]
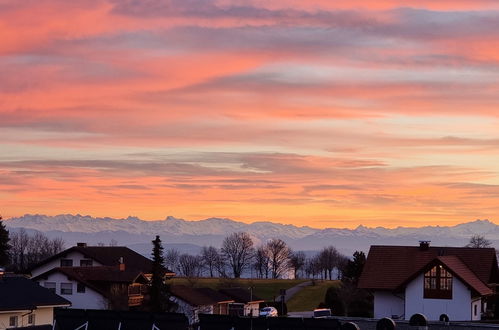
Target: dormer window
[[438, 283]]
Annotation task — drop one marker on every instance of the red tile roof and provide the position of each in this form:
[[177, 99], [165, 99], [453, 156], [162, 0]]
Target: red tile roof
[[98, 277], [389, 267], [459, 269], [102, 274]]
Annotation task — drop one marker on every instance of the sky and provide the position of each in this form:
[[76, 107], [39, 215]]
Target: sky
[[320, 113]]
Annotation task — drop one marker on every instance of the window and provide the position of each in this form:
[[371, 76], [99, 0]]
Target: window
[[13, 321], [438, 283], [66, 262], [50, 286], [86, 263], [80, 288], [66, 288], [475, 309], [31, 318]]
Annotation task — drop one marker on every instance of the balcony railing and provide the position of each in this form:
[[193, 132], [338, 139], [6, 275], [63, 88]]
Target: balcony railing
[[135, 300]]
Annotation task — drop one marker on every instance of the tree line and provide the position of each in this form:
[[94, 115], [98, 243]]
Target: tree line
[[272, 259], [19, 250]]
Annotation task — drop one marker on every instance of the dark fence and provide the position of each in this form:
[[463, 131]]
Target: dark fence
[[87, 319], [225, 322]]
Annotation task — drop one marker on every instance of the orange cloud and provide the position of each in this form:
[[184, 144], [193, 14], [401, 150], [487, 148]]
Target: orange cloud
[[326, 113]]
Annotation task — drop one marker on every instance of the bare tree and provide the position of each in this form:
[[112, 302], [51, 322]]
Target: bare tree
[[297, 261], [329, 257], [479, 241], [221, 266], [171, 259], [261, 262], [210, 256], [279, 253], [237, 248], [313, 266], [19, 243], [189, 265], [28, 250]]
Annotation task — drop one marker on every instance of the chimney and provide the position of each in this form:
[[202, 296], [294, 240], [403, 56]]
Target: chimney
[[424, 245], [81, 244], [121, 265]]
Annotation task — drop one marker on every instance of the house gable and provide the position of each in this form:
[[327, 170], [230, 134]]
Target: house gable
[[388, 267]]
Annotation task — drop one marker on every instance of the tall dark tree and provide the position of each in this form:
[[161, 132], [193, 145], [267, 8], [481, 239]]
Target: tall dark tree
[[354, 267], [297, 261], [261, 262], [279, 253], [159, 301], [209, 255], [329, 257], [237, 249], [189, 265], [4, 244]]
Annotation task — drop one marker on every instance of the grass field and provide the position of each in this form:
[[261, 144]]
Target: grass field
[[265, 288], [310, 297]]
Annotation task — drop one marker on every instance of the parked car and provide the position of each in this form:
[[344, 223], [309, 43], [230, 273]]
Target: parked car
[[322, 313], [268, 312]]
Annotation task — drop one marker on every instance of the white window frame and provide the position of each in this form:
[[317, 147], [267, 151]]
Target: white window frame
[[70, 289]]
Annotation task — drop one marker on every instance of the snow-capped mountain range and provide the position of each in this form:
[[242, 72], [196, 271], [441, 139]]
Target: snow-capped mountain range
[[189, 236]]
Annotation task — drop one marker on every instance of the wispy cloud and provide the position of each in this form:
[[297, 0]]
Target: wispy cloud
[[317, 112]]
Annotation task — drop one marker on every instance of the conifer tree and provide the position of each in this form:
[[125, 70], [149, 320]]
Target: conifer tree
[[159, 290], [4, 244]]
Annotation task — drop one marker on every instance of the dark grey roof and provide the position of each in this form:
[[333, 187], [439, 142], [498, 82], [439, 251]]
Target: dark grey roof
[[18, 292], [36, 327]]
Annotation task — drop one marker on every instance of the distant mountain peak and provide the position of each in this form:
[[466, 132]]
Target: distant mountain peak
[[211, 231]]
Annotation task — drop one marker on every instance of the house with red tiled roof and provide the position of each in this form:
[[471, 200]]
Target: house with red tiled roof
[[97, 287], [433, 281], [83, 255]]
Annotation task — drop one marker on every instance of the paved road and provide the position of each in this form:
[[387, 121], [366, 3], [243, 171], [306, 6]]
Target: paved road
[[294, 290]]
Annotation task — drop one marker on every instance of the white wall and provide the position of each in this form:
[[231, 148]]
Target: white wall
[[74, 255], [90, 299], [189, 311], [387, 304], [43, 315], [252, 309], [458, 308], [478, 304]]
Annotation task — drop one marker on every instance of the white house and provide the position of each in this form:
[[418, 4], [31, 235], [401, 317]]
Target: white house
[[97, 287], [24, 303], [433, 281]]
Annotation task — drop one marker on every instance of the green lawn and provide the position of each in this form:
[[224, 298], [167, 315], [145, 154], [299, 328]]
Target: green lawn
[[310, 297], [264, 288]]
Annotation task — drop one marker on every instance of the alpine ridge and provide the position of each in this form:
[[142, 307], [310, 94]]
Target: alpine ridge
[[191, 235]]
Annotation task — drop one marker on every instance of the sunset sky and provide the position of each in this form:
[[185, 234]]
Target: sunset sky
[[308, 112]]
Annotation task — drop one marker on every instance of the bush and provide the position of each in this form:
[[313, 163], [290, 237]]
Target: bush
[[333, 301]]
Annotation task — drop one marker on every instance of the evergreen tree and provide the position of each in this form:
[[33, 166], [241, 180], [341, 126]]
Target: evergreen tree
[[160, 301], [354, 267], [4, 244]]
